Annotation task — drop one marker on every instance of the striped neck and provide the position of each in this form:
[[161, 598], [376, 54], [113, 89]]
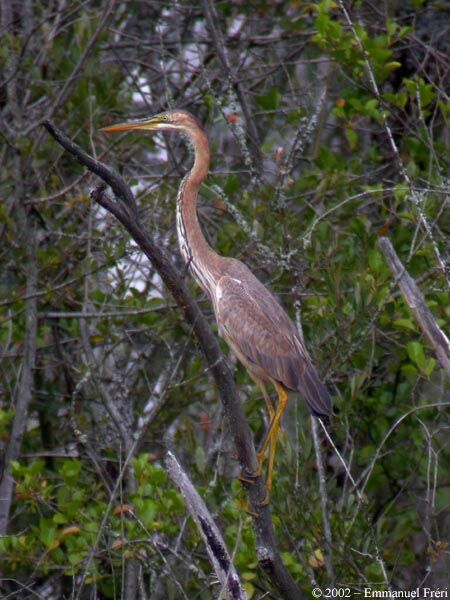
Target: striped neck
[[199, 256]]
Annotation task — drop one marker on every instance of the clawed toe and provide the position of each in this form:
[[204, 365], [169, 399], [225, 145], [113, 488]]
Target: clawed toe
[[247, 477]]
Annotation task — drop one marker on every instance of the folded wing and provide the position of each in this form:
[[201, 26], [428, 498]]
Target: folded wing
[[265, 339]]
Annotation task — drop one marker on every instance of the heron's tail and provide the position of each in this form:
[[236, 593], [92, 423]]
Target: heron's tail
[[315, 393]]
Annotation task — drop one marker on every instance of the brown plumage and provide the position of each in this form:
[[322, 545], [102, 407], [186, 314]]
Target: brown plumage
[[266, 340], [250, 319]]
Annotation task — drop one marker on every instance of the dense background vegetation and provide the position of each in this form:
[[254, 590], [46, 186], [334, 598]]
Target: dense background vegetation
[[328, 129]]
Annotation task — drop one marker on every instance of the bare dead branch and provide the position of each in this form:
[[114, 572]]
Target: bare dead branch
[[416, 302], [117, 184], [302, 135], [215, 545]]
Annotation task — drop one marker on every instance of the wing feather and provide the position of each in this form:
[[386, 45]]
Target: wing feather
[[264, 338]]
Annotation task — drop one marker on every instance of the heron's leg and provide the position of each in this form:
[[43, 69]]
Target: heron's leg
[[270, 408], [262, 386], [271, 411], [275, 416], [270, 440]]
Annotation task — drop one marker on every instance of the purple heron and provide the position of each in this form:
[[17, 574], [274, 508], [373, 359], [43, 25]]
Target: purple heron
[[250, 319]]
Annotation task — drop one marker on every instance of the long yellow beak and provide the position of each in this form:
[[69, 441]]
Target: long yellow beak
[[147, 124]]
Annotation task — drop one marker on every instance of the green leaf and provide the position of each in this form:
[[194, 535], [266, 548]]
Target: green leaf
[[147, 512], [322, 23], [376, 261], [352, 137], [370, 108], [70, 471], [416, 353], [269, 101], [405, 324], [232, 184], [391, 27], [59, 518], [398, 99], [400, 191], [417, 86], [209, 102], [380, 55], [339, 112], [392, 66], [47, 532], [428, 367]]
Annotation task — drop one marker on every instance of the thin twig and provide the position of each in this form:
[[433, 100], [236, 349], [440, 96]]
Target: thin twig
[[324, 503], [362, 504]]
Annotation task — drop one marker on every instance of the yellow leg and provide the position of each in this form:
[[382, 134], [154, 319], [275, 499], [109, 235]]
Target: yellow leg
[[270, 408], [270, 440], [262, 386], [275, 417], [271, 411]]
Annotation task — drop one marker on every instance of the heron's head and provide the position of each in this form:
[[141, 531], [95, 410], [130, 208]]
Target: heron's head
[[174, 120]]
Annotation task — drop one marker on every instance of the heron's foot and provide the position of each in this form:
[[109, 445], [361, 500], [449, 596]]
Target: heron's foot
[[251, 512], [249, 477]]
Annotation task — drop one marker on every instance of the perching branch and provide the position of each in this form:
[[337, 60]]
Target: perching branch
[[124, 209], [416, 302], [215, 545]]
